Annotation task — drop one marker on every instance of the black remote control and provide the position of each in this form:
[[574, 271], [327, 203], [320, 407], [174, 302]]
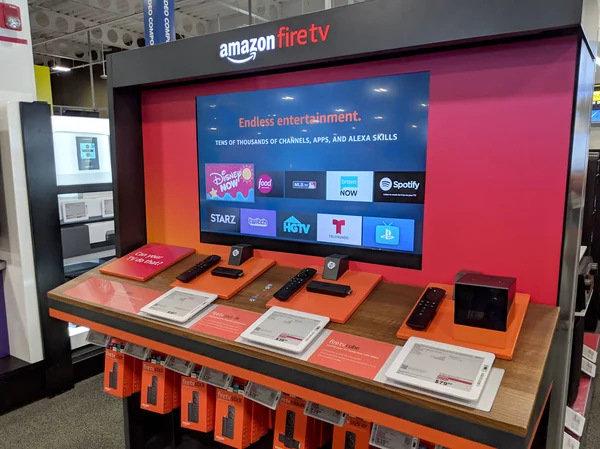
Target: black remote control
[[199, 268], [294, 284], [426, 309]]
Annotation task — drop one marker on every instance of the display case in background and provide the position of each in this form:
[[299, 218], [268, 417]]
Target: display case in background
[[85, 201]]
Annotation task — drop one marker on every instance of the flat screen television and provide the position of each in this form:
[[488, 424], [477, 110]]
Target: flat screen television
[[318, 169], [596, 105]]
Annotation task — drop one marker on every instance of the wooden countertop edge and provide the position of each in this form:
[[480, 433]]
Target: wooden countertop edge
[[461, 412]]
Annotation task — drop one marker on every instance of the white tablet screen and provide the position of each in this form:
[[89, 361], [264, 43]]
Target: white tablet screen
[[178, 304], [441, 366], [285, 328]]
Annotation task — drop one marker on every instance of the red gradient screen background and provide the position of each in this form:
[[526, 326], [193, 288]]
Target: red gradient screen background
[[497, 159]]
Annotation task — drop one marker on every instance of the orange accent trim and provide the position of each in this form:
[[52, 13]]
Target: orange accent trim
[[420, 431], [225, 287], [443, 329], [537, 423], [337, 309]]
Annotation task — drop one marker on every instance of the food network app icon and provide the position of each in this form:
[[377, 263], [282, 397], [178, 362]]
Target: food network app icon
[[269, 184], [297, 225], [394, 234], [258, 222], [229, 182], [339, 229], [223, 219], [305, 184], [350, 186], [400, 187]]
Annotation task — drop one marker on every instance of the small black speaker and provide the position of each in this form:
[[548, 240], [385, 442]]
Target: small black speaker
[[240, 253], [483, 301], [335, 266]]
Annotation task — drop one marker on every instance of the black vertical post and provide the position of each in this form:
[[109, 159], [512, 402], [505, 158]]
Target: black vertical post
[[46, 239], [127, 160]]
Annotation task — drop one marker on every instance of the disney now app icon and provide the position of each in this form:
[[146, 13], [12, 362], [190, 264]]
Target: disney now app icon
[[394, 234]]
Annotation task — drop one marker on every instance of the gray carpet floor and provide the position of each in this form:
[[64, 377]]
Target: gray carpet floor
[[591, 437], [83, 418]]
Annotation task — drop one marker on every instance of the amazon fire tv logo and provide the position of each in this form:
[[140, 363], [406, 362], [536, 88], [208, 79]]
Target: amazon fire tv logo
[[240, 52]]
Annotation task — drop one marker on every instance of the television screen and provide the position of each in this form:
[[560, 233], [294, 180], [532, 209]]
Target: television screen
[[318, 169], [596, 105]]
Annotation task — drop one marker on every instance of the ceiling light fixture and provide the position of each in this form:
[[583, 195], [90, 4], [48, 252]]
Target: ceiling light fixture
[[60, 68]]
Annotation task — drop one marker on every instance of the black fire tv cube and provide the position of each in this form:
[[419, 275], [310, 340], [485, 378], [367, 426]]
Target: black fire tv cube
[[240, 253], [483, 301], [335, 266]]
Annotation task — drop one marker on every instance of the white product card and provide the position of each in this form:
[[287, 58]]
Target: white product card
[[137, 351], [98, 339], [590, 354], [323, 413], [263, 395], [574, 421], [385, 438], [484, 403], [179, 365], [569, 442], [588, 367], [215, 378]]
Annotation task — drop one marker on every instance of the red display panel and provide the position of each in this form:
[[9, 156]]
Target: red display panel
[[497, 158]]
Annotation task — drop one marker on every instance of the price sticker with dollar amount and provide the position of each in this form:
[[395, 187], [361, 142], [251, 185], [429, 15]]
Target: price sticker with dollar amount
[[323, 413], [215, 378], [569, 442], [385, 438], [588, 367], [179, 365], [137, 351], [263, 395], [98, 338]]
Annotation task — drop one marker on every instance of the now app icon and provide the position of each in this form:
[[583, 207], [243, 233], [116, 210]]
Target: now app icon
[[350, 186]]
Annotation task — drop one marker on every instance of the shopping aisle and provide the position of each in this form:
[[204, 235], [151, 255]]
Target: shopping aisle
[[83, 418]]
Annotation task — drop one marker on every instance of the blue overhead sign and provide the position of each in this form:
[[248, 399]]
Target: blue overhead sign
[[159, 21]]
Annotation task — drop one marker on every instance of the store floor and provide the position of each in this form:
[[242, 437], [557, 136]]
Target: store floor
[[83, 418], [591, 437]]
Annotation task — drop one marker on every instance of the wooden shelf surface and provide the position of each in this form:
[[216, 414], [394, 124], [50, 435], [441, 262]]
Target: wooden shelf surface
[[378, 318]]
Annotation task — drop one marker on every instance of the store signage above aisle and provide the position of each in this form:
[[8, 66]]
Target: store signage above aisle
[[374, 27], [240, 52], [159, 21]]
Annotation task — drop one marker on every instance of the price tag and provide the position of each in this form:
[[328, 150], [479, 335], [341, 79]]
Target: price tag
[[98, 339], [569, 442], [588, 367], [590, 354], [385, 438], [263, 395], [323, 413], [137, 351], [179, 365], [574, 421], [215, 378]]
